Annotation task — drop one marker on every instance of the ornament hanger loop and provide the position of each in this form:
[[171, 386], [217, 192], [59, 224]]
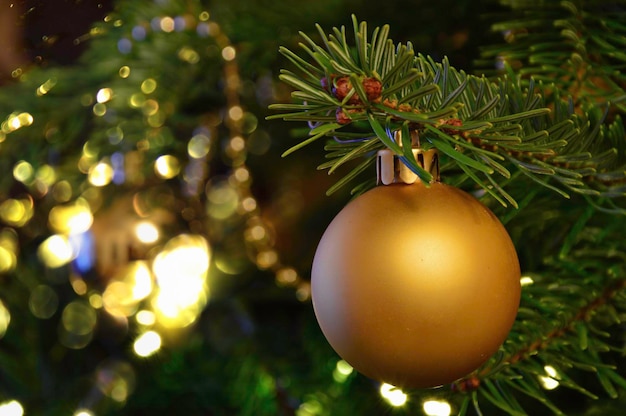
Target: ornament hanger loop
[[390, 169]]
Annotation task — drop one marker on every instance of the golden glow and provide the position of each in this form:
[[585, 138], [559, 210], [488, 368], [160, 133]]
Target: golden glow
[[249, 204], [266, 259], [235, 113], [104, 95], [147, 344], [100, 174], [8, 259], [526, 280], [83, 412], [145, 318], [16, 212], [342, 371], [46, 175], [5, 319], [132, 284], [23, 171], [199, 146], [124, 71], [393, 395], [43, 301], [55, 251], [150, 107], [99, 109], [286, 276], [188, 55], [17, 120], [118, 299], [223, 200], [95, 300], [204, 16], [136, 100], [148, 86], [549, 382], [167, 166], [181, 274], [44, 88], [167, 24], [11, 408], [146, 232], [437, 408], [229, 53], [79, 285], [78, 318], [72, 218]]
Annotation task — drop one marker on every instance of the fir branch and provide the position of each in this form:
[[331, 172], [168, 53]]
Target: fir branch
[[477, 123]]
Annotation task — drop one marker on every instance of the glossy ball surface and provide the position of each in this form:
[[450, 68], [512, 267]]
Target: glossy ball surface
[[415, 286]]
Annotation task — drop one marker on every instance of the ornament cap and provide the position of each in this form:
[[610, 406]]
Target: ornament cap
[[390, 169]]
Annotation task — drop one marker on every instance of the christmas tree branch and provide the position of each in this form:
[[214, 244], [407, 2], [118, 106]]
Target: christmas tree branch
[[559, 328], [364, 92]]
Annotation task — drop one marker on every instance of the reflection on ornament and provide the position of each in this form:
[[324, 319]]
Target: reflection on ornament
[[415, 285]]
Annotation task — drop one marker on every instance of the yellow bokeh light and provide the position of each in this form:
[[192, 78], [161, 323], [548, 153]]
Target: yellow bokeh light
[[5, 319], [99, 109], [72, 218], [146, 232], [11, 408], [235, 113], [148, 86], [204, 16], [393, 395], [23, 171], [124, 71], [437, 408], [100, 174], [181, 273], [342, 371], [44, 88], [199, 146], [17, 120], [95, 300], [104, 95], [145, 317], [167, 166], [167, 24], [549, 382], [118, 299], [147, 344], [229, 53], [8, 260], [83, 412], [526, 280], [79, 318], [16, 212], [55, 251], [43, 302], [188, 55]]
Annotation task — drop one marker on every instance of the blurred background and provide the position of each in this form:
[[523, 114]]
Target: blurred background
[[155, 247]]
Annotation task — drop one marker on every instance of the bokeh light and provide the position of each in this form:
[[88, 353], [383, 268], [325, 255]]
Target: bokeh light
[[181, 274], [55, 251], [393, 395], [5, 319], [11, 408], [147, 344], [437, 407]]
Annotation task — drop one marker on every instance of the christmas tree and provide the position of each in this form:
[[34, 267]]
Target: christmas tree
[[156, 250]]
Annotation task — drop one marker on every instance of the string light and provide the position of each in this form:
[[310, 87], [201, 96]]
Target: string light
[[437, 407], [11, 408], [393, 395]]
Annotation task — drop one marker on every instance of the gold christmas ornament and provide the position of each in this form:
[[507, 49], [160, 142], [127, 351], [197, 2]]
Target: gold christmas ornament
[[415, 285]]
